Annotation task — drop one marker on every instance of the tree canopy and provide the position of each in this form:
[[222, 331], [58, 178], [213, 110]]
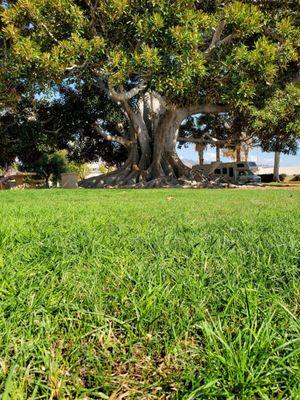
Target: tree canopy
[[39, 127], [188, 51], [277, 124]]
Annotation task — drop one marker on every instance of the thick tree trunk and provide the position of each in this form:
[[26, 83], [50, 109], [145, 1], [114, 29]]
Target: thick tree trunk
[[152, 160], [276, 177]]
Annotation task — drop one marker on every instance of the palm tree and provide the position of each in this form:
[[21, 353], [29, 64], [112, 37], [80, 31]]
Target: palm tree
[[200, 148], [276, 177]]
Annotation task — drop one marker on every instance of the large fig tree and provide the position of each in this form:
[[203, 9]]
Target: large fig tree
[[160, 61]]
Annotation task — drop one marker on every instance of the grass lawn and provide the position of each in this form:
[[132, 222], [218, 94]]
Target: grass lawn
[[153, 294]]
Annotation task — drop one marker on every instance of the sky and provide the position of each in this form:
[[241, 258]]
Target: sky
[[260, 157]]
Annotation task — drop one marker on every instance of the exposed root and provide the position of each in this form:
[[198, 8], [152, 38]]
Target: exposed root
[[169, 173], [137, 179]]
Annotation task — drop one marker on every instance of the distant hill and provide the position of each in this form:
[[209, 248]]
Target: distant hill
[[188, 163]]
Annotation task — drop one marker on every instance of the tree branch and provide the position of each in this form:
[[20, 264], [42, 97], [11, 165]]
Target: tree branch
[[49, 33], [216, 40], [77, 66], [201, 140], [125, 96], [227, 39], [217, 35], [111, 138], [204, 109], [208, 139], [100, 72], [47, 120], [56, 131]]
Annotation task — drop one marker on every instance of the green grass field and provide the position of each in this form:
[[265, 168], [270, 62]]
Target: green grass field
[[168, 294]]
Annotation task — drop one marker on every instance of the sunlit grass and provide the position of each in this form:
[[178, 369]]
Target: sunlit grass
[[168, 294]]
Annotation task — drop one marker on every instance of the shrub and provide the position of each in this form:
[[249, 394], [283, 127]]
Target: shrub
[[82, 169], [51, 166], [282, 177], [296, 178], [266, 178], [104, 168]]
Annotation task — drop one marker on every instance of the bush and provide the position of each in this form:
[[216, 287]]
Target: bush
[[57, 164], [267, 178], [104, 169], [296, 178], [82, 169], [282, 177], [51, 166]]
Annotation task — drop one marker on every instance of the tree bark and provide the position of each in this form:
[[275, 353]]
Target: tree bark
[[238, 154], [218, 153], [276, 177], [47, 181], [246, 153], [200, 149], [153, 160]]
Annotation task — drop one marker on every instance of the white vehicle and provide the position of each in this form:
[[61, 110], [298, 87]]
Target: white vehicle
[[236, 172], [253, 166]]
